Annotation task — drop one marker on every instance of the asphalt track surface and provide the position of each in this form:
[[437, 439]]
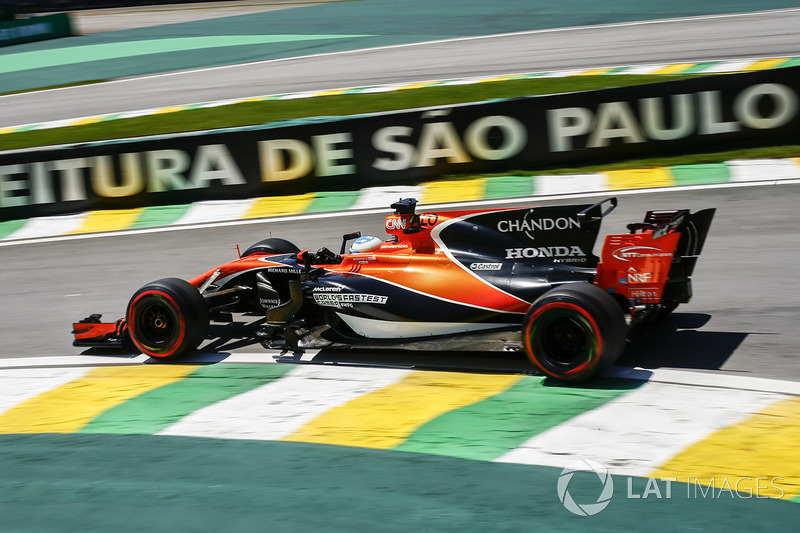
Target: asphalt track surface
[[330, 64], [742, 319]]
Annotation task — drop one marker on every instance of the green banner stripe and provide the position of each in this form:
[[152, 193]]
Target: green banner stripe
[[153, 411], [161, 215], [529, 407], [332, 201], [508, 187], [10, 226], [702, 174]]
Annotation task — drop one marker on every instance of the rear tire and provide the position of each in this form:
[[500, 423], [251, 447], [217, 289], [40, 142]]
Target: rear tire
[[167, 318], [574, 332], [272, 246]]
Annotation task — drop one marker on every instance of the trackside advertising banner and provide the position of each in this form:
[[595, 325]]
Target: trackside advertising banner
[[703, 114]]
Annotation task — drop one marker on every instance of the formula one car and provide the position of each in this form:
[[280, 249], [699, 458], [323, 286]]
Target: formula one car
[[492, 279]]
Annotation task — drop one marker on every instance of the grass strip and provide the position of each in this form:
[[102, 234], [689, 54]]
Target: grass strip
[[272, 110]]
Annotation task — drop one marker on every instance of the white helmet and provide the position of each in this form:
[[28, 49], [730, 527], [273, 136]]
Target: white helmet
[[367, 243]]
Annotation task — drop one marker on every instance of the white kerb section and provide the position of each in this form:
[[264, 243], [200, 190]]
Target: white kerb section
[[384, 329], [639, 431], [569, 183], [763, 169], [280, 408], [216, 211], [19, 385], [49, 226]]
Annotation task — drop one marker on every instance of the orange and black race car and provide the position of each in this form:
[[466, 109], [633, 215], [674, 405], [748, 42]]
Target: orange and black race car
[[495, 279]]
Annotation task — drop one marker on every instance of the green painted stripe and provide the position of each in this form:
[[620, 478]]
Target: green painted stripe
[[10, 226], [700, 174], [508, 187], [154, 410], [333, 201], [700, 67], [160, 215], [531, 406], [618, 70], [793, 62]]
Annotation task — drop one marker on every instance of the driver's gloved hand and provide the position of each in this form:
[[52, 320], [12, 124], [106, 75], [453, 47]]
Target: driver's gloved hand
[[325, 256]]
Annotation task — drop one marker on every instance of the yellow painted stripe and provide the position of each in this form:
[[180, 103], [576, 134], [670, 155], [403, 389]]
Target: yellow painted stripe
[[639, 178], [418, 85], [275, 206], [497, 78], [334, 92], [70, 407], [385, 418], [594, 72], [109, 220], [251, 99], [3, 131], [440, 192], [764, 64], [765, 445], [173, 109], [88, 120], [674, 69]]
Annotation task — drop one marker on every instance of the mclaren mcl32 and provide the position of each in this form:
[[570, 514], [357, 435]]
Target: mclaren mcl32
[[490, 279]]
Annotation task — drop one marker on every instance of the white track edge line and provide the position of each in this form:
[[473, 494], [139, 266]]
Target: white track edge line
[[661, 375]]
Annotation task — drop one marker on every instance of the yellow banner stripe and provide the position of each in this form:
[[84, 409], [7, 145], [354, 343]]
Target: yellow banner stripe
[[674, 69], [280, 206], [70, 407], [594, 72], [453, 191], [763, 64], [385, 418], [760, 455], [109, 220], [640, 178]]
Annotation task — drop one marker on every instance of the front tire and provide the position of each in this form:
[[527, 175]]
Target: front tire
[[272, 245], [573, 332], [167, 318]]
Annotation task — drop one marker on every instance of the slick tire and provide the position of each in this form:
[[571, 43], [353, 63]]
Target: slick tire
[[167, 318], [272, 246], [573, 332]]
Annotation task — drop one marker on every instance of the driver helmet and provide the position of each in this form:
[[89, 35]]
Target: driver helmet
[[367, 243]]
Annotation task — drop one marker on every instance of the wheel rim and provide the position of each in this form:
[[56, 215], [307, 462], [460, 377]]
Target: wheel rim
[[157, 323], [157, 327], [563, 339]]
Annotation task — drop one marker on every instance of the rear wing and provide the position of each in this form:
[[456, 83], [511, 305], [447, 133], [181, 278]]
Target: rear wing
[[653, 263]]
